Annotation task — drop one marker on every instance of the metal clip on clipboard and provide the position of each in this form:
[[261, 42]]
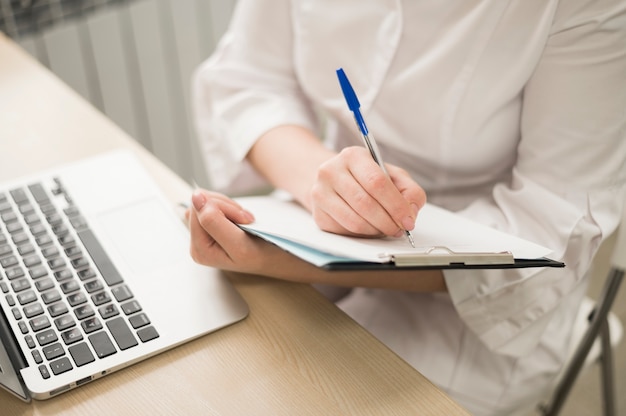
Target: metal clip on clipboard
[[443, 256]]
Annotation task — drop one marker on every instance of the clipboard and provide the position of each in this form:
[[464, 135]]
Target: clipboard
[[444, 240]]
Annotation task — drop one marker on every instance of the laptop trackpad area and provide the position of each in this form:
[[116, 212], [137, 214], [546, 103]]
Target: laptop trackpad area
[[145, 235]]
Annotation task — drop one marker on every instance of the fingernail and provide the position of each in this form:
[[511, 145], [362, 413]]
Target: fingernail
[[248, 215], [408, 223], [198, 200]]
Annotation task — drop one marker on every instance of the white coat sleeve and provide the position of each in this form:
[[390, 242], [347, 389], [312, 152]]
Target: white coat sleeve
[[567, 188], [246, 88]]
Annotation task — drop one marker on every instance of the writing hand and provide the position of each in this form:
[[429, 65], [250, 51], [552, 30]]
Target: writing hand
[[353, 196]]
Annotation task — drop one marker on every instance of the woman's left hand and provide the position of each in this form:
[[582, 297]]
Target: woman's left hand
[[216, 240]]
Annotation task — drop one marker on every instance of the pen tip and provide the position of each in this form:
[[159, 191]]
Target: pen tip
[[410, 237]]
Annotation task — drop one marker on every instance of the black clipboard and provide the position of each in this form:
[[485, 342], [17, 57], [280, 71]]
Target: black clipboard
[[516, 264]]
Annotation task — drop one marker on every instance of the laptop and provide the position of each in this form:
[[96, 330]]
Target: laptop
[[95, 275]]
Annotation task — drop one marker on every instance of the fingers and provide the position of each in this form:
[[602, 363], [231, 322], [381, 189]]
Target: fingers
[[203, 247], [354, 196], [410, 191], [231, 209], [338, 197], [215, 239]]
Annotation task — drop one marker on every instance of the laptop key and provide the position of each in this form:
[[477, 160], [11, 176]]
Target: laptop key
[[139, 320], [102, 344], [30, 218], [62, 275], [147, 334], [50, 296], [19, 238], [39, 231], [37, 356], [71, 336], [56, 263], [57, 309], [33, 309], [47, 208], [8, 261], [100, 298], [46, 337], [83, 312], [50, 252], [5, 249], [121, 293], [77, 298], [43, 240], [121, 333], [39, 323], [20, 284], [69, 286], [29, 341], [60, 366], [104, 264], [44, 284], [24, 248], [81, 354], [44, 371], [26, 297], [72, 252], [91, 324], [19, 196], [87, 273], [64, 322], [53, 351], [80, 263], [8, 216], [14, 272], [38, 191], [37, 271], [93, 286], [15, 229], [109, 310], [32, 261], [131, 307]]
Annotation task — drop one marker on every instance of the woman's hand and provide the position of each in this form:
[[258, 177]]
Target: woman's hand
[[353, 196], [216, 240]]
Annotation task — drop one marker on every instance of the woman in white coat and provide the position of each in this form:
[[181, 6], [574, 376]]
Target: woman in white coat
[[512, 113]]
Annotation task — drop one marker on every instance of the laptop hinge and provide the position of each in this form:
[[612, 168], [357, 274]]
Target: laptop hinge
[[11, 362]]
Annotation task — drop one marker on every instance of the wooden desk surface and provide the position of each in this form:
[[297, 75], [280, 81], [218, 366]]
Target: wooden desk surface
[[295, 354]]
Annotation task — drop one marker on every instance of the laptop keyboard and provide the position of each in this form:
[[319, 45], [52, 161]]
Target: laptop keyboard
[[70, 304]]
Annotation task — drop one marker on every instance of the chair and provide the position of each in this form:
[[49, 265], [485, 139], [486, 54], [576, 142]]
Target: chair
[[603, 332]]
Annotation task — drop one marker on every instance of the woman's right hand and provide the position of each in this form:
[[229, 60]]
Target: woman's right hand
[[353, 196]]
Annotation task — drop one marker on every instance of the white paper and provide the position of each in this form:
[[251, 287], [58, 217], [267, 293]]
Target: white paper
[[435, 227]]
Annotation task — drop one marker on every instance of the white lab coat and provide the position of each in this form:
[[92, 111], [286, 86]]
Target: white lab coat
[[512, 112]]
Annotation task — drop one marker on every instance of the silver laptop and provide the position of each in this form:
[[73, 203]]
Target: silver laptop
[[95, 274]]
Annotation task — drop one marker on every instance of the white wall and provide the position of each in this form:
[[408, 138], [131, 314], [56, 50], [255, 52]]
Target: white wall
[[133, 61]]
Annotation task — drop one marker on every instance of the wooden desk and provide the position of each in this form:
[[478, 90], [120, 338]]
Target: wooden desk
[[295, 354]]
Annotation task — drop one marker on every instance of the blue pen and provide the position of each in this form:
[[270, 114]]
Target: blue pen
[[370, 143]]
